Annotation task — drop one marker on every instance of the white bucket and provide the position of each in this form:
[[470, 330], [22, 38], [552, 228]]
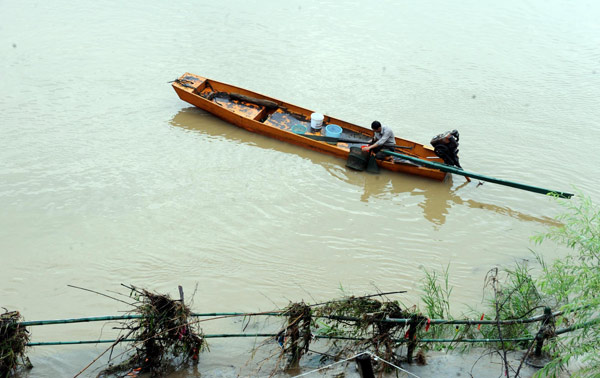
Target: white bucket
[[316, 121]]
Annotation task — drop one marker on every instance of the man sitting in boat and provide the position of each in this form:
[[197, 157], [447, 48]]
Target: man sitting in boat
[[383, 139]]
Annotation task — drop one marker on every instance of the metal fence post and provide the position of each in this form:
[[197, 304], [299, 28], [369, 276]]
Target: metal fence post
[[412, 339], [365, 369]]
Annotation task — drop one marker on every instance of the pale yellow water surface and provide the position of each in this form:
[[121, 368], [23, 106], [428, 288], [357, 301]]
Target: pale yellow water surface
[[106, 177]]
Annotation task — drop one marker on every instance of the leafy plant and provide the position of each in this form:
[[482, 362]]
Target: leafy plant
[[517, 297], [574, 282], [436, 300], [436, 294]]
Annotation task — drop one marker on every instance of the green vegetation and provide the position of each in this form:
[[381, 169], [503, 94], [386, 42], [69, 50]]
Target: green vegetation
[[570, 284], [436, 295], [436, 298], [573, 283]]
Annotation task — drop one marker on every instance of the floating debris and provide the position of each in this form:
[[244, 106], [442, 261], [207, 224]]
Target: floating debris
[[295, 338], [168, 337], [364, 318], [13, 341]]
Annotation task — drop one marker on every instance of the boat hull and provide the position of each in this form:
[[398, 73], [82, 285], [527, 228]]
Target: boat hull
[[273, 118]]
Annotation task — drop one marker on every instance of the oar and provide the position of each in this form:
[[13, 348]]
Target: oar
[[334, 140], [458, 171]]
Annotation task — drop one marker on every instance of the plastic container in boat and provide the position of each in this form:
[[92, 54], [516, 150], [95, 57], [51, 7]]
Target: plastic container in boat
[[316, 121], [299, 129], [333, 131]]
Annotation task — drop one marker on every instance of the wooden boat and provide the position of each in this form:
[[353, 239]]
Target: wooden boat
[[274, 118]]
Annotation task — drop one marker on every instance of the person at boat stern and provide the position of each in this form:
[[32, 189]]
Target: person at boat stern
[[383, 139]]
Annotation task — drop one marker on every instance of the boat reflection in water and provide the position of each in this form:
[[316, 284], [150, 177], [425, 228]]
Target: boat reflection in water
[[438, 197]]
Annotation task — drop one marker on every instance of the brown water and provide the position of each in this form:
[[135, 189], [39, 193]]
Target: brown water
[[106, 177]]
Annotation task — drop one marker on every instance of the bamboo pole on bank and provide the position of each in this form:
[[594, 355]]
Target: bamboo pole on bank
[[256, 335], [332, 317], [411, 341], [242, 335]]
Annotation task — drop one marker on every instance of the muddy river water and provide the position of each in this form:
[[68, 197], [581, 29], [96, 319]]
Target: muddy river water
[[106, 177]]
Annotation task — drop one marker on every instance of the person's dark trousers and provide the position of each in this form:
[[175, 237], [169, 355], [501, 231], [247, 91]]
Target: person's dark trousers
[[378, 151]]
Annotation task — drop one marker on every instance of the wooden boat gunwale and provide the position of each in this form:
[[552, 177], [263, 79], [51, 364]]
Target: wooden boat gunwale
[[194, 89]]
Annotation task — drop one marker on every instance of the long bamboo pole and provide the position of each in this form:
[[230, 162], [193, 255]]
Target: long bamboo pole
[[332, 317], [133, 316], [241, 335], [458, 171], [231, 335]]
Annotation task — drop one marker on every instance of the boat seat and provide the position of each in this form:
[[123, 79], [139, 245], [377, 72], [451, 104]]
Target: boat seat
[[284, 120], [245, 109]]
